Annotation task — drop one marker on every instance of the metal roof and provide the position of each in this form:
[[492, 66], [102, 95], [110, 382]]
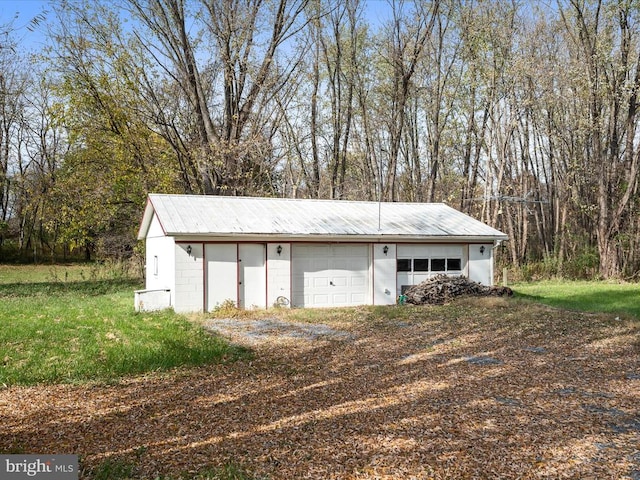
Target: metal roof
[[207, 215]]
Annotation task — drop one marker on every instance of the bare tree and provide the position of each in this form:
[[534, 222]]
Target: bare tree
[[13, 86], [605, 42], [403, 48]]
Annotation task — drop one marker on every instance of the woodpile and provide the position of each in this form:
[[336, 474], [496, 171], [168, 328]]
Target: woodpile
[[443, 288]]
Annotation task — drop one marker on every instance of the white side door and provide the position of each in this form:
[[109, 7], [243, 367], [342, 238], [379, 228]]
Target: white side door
[[252, 281], [221, 273]]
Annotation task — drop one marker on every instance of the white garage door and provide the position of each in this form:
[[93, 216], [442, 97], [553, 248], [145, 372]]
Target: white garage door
[[325, 275], [417, 263]]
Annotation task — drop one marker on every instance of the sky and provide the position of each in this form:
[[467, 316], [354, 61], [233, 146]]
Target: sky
[[8, 8], [20, 12]]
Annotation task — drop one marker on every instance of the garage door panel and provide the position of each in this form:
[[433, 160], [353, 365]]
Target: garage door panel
[[320, 281], [330, 275], [340, 281], [421, 277], [319, 300], [340, 299], [358, 298]]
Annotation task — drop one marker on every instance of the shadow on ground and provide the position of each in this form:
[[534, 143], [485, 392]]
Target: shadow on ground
[[486, 389]]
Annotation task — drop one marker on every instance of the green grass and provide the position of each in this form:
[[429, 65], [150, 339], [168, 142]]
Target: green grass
[[41, 273], [606, 297], [67, 332], [123, 470], [62, 273]]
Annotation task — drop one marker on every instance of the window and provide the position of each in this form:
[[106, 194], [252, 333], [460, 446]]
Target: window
[[429, 265], [454, 264], [155, 265], [404, 265], [438, 264], [420, 264]]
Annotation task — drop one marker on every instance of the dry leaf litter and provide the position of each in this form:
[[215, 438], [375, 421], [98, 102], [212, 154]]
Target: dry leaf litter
[[478, 389]]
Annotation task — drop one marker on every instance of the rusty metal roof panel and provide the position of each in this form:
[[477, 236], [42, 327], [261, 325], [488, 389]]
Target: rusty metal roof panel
[[193, 215]]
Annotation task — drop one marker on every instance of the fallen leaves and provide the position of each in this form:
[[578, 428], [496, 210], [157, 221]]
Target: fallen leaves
[[515, 391]]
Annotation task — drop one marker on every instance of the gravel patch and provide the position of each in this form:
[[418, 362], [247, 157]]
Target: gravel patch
[[268, 330]]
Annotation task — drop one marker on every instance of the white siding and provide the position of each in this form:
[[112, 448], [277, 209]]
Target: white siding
[[159, 259], [278, 274], [384, 274], [155, 229], [481, 263], [189, 289]]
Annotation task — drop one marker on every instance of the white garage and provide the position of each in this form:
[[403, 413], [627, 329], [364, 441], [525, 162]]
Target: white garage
[[207, 251]]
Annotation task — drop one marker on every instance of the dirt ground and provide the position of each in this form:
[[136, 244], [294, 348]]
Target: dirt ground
[[482, 389]]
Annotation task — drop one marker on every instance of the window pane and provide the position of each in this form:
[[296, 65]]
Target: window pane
[[420, 264], [438, 264], [454, 264], [404, 264]]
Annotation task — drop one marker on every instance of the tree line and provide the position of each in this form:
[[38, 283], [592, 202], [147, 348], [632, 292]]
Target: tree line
[[523, 115]]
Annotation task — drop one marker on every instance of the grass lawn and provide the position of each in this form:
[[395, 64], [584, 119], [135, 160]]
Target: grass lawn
[[73, 331], [59, 273], [620, 298]]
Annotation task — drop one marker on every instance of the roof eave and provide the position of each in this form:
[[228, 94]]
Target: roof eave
[[306, 237], [147, 217]]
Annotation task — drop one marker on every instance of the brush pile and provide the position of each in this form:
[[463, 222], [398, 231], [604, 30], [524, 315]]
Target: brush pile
[[443, 288]]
